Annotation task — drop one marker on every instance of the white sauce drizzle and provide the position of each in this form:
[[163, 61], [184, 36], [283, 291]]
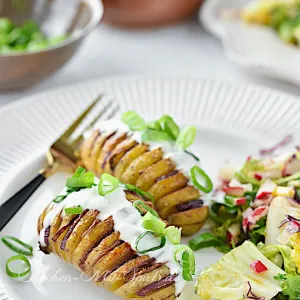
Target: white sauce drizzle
[[127, 220]]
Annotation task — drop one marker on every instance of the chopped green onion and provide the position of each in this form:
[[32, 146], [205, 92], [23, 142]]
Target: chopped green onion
[[138, 203], [155, 125], [186, 137], [81, 179], [153, 223], [154, 135], [208, 183], [204, 240], [79, 172], [173, 234], [73, 210], [20, 274], [133, 120], [107, 184], [171, 128], [59, 198], [192, 154], [161, 245], [186, 261], [286, 179], [139, 192], [6, 240]]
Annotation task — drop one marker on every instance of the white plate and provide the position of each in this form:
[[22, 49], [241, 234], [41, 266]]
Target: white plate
[[256, 48], [234, 121]]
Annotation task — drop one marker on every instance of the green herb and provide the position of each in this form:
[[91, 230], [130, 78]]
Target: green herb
[[173, 234], [186, 137], [153, 223], [107, 184], [208, 185], [138, 191], [186, 260], [143, 235], [138, 203], [171, 128], [73, 210], [20, 274], [290, 284], [134, 121], [155, 135], [7, 241], [204, 240], [192, 154]]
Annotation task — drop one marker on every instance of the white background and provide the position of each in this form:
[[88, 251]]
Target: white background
[[184, 49]]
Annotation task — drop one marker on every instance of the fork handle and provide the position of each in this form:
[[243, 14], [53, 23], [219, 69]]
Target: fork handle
[[14, 204]]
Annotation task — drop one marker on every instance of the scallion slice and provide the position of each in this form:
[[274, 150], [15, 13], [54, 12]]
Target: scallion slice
[[133, 120], [80, 182], [173, 234], [186, 260], [155, 135], [73, 210], [204, 240], [107, 184], [20, 274], [7, 241], [192, 154], [171, 128], [186, 137], [197, 171], [153, 223], [138, 203], [59, 198], [79, 171], [139, 192], [155, 125], [163, 241]]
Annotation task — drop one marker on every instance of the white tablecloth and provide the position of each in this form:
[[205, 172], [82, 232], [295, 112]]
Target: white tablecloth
[[184, 49]]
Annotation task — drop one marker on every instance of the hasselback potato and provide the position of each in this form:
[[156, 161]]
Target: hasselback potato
[[158, 168], [100, 236]]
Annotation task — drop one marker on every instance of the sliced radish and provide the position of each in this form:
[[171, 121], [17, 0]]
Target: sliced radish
[[258, 176], [258, 267], [251, 217], [234, 191], [240, 201], [266, 189]]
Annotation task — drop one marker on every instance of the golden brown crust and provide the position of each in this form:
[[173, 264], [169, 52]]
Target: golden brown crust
[[188, 230]]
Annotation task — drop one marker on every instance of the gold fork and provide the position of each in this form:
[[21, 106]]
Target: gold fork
[[61, 156]]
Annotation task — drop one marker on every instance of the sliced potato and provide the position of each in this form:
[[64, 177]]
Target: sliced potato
[[167, 205], [116, 279], [161, 294], [154, 171], [87, 146], [189, 217], [76, 236], [188, 230], [98, 252], [129, 156], [130, 289], [106, 151], [168, 185], [145, 160], [118, 153], [97, 232], [113, 259]]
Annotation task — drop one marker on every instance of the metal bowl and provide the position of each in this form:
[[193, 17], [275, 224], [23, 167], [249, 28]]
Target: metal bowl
[[75, 18]]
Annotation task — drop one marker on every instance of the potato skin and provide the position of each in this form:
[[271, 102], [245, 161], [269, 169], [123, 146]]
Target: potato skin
[[188, 230]]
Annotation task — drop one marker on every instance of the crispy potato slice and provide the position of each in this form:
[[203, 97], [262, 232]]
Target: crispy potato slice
[[129, 156], [167, 185], [145, 160], [98, 231], [162, 294], [98, 252], [154, 171], [42, 217], [130, 289], [116, 279], [91, 160], [87, 145], [118, 153], [77, 233], [189, 217], [106, 151], [188, 230], [115, 258], [167, 205]]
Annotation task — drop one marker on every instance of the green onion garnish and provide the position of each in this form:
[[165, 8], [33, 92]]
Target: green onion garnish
[[163, 241], [192, 154], [138, 203], [59, 198], [153, 223], [171, 128], [107, 184], [85, 180], [197, 171], [186, 137], [155, 135], [79, 171], [20, 274], [6, 240], [73, 210], [173, 234], [133, 120], [139, 192], [186, 261], [155, 125], [204, 240]]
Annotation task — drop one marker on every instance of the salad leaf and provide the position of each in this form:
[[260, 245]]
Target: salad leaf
[[231, 276], [259, 232], [270, 251], [290, 285]]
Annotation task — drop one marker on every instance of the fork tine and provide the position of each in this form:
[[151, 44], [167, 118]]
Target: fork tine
[[79, 120]]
